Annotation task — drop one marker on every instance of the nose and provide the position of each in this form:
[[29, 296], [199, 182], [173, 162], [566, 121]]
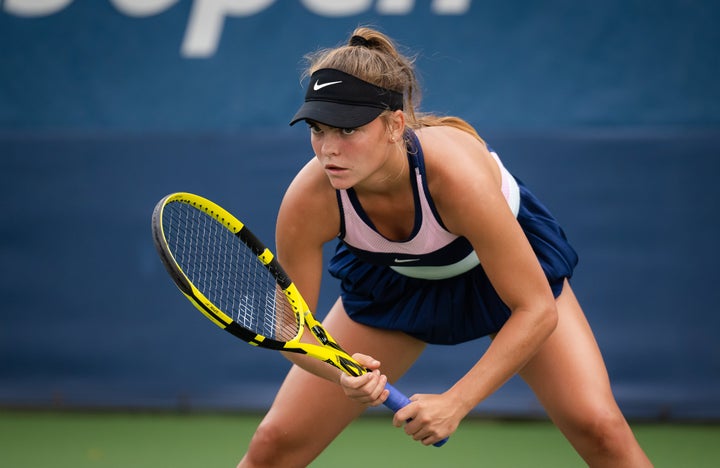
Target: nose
[[330, 145]]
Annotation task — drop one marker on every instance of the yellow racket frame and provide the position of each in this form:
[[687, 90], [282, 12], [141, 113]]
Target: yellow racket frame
[[328, 351]]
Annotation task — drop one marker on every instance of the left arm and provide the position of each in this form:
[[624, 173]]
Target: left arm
[[472, 205]]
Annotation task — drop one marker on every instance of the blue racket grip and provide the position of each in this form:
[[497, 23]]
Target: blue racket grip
[[397, 400]]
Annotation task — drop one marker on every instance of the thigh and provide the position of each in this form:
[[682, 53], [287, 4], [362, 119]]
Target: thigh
[[395, 350], [568, 373]]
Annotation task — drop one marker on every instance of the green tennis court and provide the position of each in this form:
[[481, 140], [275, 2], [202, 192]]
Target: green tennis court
[[137, 440]]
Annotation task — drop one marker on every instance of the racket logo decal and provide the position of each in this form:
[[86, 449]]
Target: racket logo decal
[[320, 333], [351, 367]]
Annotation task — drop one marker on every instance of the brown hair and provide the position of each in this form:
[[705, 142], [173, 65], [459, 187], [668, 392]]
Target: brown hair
[[373, 57]]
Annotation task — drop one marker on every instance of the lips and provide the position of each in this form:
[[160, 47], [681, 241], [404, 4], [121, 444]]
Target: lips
[[333, 169]]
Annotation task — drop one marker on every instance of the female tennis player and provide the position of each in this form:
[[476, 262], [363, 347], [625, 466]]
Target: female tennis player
[[438, 243]]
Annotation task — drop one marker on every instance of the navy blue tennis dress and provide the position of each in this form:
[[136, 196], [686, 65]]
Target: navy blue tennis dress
[[432, 285]]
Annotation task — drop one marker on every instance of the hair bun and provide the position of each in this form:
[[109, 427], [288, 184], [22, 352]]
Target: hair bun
[[359, 41]]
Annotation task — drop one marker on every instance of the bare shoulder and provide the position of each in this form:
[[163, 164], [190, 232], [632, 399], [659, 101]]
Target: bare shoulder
[[453, 156], [446, 135], [460, 172], [448, 149]]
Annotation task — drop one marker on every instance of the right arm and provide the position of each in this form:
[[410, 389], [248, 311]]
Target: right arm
[[307, 219]]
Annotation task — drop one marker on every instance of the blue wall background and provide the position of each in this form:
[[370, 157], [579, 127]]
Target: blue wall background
[[610, 111]]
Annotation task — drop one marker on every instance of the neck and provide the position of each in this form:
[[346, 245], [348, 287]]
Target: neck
[[394, 174]]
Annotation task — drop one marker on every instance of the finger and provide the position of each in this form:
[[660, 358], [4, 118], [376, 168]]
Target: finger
[[353, 383], [421, 433], [404, 415], [374, 389], [367, 361], [367, 388], [380, 394]]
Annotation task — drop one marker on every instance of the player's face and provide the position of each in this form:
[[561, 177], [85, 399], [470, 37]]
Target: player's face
[[351, 156]]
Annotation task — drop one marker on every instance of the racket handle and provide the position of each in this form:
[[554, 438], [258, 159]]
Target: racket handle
[[397, 400]]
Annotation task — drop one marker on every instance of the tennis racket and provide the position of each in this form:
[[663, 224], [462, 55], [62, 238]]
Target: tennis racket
[[237, 283]]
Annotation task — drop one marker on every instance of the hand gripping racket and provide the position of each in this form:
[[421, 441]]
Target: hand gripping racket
[[237, 282]]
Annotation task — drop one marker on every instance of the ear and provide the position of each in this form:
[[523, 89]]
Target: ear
[[396, 125]]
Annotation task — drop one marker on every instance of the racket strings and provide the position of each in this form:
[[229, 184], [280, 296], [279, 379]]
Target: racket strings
[[227, 272]]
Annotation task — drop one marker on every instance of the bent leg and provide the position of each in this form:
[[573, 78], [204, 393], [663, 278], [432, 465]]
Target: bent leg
[[569, 377], [309, 412]]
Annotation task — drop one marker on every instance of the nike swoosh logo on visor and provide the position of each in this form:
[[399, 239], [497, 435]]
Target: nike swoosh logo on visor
[[406, 260], [317, 84]]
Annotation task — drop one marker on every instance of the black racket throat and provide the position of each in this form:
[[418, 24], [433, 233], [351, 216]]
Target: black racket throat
[[246, 335], [248, 238]]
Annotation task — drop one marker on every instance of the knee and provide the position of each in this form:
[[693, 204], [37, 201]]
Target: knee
[[266, 446], [605, 432]]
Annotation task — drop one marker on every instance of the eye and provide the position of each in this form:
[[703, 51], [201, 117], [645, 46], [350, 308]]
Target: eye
[[348, 131], [314, 128]]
